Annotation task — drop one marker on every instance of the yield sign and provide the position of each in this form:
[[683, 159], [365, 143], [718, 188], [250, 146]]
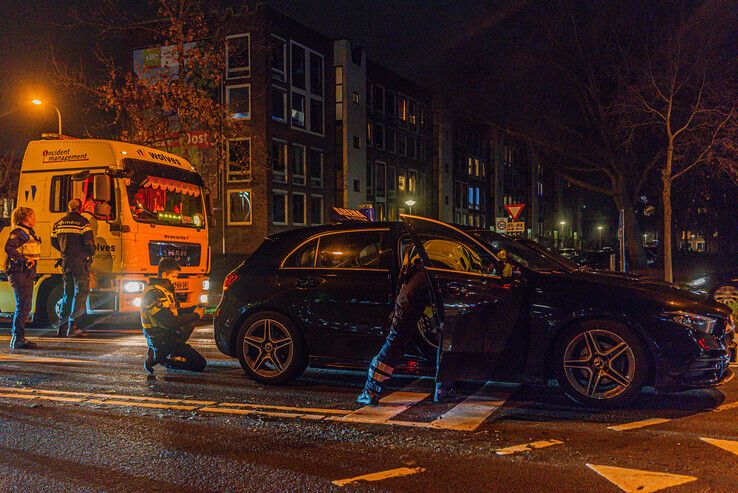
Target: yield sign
[[514, 210]]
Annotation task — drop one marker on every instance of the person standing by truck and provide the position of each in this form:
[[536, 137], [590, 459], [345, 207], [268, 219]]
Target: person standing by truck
[[72, 236], [23, 249]]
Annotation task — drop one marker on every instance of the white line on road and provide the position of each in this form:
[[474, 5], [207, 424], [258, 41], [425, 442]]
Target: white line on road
[[389, 406], [26, 358], [473, 411], [526, 447], [378, 476], [638, 424]]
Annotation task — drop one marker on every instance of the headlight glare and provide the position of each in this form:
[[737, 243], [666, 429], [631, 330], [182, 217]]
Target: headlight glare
[[694, 321], [134, 287], [699, 282]]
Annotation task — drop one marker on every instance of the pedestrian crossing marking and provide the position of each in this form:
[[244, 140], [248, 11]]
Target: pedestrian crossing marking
[[728, 445], [638, 424], [389, 407], [379, 476], [473, 411], [526, 447], [638, 481]]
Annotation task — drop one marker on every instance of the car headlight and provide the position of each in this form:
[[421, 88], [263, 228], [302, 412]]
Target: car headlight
[[134, 287], [697, 283], [694, 321], [206, 285]]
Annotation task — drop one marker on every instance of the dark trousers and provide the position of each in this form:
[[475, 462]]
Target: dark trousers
[[409, 307], [22, 284], [74, 302], [170, 349]]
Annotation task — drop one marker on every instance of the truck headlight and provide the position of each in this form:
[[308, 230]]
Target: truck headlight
[[206, 285], [133, 287], [203, 299], [697, 283], [694, 321]]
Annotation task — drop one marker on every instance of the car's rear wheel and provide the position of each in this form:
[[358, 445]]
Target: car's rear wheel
[[271, 349], [600, 363], [727, 294]]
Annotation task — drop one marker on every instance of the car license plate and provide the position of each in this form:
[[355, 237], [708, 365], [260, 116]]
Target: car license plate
[[181, 286]]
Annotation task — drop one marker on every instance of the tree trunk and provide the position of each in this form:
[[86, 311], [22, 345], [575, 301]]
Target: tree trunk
[[666, 205], [633, 243]]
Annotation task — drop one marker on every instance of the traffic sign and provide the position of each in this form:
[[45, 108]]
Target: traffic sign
[[514, 210], [501, 224], [516, 227]]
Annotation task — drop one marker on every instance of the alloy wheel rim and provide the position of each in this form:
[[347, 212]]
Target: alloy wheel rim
[[599, 364], [727, 295], [268, 348]]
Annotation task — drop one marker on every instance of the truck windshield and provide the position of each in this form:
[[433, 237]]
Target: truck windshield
[[165, 195]]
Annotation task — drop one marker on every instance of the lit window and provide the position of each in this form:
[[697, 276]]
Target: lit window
[[403, 107], [237, 56], [239, 159], [238, 101], [239, 207], [412, 182], [298, 110], [401, 179]]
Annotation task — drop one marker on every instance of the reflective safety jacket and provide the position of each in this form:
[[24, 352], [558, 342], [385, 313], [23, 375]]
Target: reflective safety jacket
[[72, 236], [22, 245], [160, 312]]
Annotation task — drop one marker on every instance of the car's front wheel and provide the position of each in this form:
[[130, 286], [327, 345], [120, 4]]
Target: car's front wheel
[[600, 363], [271, 349]]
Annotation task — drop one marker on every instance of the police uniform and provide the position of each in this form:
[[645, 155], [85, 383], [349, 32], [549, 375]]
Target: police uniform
[[72, 236], [22, 245], [167, 328], [410, 304]]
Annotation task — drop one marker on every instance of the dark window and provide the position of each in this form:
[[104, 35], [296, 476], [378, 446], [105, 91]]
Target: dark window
[[315, 165], [378, 98], [279, 104], [279, 160], [237, 48], [239, 207], [390, 105], [390, 140], [298, 209], [369, 180], [357, 142], [61, 193], [380, 183], [298, 66], [239, 160], [316, 116], [316, 74], [239, 101], [316, 209], [303, 256], [279, 59], [379, 136], [350, 250], [279, 207]]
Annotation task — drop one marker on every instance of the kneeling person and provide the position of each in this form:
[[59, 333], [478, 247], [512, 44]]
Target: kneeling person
[[167, 326]]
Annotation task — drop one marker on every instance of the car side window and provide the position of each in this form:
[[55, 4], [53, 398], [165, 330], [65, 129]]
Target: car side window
[[355, 250], [446, 253], [303, 256]]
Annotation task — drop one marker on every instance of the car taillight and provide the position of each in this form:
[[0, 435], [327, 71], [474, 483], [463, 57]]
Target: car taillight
[[229, 280]]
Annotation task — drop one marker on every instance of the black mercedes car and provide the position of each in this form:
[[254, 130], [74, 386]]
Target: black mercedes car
[[323, 295]]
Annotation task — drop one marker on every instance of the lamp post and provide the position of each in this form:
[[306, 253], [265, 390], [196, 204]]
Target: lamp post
[[410, 203], [38, 102], [563, 242], [599, 236]]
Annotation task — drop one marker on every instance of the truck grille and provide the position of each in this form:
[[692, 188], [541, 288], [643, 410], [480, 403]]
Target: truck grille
[[186, 254]]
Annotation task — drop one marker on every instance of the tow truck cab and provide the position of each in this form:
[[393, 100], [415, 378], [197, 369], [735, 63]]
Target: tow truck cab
[[142, 203]]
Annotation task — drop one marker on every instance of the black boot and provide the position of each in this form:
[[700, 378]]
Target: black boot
[[22, 343], [62, 329], [74, 331], [150, 362]]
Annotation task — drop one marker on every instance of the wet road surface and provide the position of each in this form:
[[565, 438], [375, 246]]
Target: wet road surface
[[80, 415]]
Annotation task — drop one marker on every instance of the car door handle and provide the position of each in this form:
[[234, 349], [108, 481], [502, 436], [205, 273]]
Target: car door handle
[[309, 282], [456, 289]]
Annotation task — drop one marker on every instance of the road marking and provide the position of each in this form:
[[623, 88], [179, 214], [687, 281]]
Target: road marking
[[154, 405], [526, 447], [379, 476], [473, 411], [287, 408], [26, 358], [119, 341], [108, 396], [726, 407], [638, 424], [389, 407], [729, 445], [637, 481]]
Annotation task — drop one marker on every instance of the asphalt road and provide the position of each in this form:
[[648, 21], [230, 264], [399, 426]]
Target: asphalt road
[[80, 415]]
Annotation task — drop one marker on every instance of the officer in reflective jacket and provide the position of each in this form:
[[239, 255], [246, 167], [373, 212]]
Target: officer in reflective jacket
[[410, 304], [167, 326], [23, 249], [72, 236]]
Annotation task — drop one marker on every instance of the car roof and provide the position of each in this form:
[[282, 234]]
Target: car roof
[[345, 225]]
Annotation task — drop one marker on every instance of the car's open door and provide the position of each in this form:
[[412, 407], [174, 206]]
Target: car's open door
[[478, 309]]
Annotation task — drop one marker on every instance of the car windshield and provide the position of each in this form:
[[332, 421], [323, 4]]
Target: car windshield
[[165, 195], [519, 253]]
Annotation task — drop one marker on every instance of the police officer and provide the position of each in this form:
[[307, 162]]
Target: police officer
[[72, 236], [167, 326], [23, 249], [410, 304]]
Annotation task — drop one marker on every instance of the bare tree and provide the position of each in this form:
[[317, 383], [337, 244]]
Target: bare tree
[[680, 95]]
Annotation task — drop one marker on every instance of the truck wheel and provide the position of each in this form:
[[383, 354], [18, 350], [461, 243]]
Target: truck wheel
[[271, 349], [601, 363], [48, 310]]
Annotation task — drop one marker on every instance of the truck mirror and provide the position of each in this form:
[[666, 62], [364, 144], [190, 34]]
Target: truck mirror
[[101, 187]]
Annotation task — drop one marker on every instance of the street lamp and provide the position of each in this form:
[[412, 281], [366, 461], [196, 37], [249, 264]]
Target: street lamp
[[599, 235], [38, 102], [410, 203]]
